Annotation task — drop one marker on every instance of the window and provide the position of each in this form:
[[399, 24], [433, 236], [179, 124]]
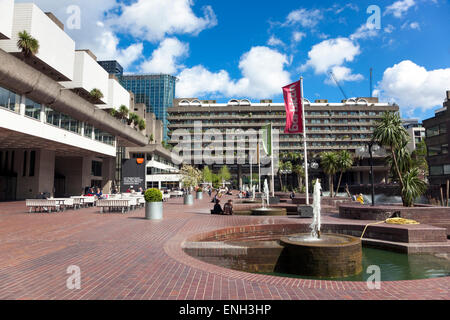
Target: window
[[96, 169], [442, 128], [9, 100], [434, 150], [433, 131], [446, 168], [32, 109], [436, 170], [444, 149]]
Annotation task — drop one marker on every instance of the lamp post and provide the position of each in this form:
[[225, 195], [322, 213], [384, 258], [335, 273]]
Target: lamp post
[[372, 147]]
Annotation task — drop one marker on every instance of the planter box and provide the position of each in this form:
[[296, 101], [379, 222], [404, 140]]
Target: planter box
[[189, 199], [199, 195], [154, 210]]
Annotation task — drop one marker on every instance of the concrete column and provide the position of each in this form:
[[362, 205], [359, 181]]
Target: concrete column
[[46, 171], [108, 170], [22, 106], [240, 176], [43, 117]]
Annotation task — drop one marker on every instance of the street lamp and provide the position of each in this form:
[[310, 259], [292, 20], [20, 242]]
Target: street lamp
[[373, 146]]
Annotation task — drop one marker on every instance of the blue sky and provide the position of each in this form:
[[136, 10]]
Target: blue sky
[[249, 49]]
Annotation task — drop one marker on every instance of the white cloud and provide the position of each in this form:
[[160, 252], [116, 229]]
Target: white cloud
[[94, 33], [365, 31], [389, 28], [274, 41], [411, 25], [412, 86], [154, 19], [331, 53], [263, 75], [165, 58], [398, 8], [343, 74], [297, 36], [306, 18], [107, 48]]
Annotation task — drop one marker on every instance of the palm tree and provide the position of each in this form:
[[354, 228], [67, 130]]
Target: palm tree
[[329, 163], [96, 94], [344, 162], [404, 161], [28, 44], [133, 118], [300, 172], [123, 112], [141, 124], [391, 133], [413, 187]]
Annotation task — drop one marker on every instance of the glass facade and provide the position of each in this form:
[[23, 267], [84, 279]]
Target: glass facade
[[155, 91], [11, 101]]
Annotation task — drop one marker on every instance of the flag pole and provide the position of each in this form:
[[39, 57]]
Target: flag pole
[[304, 144], [271, 151], [259, 167]]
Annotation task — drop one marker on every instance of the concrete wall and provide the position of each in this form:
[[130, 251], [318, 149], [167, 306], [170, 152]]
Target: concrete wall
[[117, 95], [56, 48], [6, 18], [88, 74]]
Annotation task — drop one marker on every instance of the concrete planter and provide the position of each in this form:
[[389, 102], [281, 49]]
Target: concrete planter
[[153, 210], [189, 199], [199, 195]]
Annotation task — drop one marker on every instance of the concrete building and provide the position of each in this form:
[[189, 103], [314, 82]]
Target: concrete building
[[53, 139], [347, 125], [156, 91], [416, 133], [437, 140], [112, 67]]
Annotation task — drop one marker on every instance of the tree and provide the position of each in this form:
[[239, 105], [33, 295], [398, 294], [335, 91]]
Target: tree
[[329, 163], [300, 172], [96, 94], [390, 133], [419, 158], [152, 138], [224, 174], [207, 175], [133, 118], [344, 162], [141, 124], [191, 176], [123, 112], [413, 187], [28, 44]]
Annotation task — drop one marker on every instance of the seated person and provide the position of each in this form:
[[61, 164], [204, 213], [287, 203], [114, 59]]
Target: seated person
[[99, 194], [217, 208], [228, 208], [292, 195]]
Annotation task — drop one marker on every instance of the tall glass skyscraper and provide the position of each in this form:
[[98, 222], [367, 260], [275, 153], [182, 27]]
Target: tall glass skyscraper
[[156, 91]]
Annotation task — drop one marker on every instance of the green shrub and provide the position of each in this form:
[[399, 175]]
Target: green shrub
[[153, 195]]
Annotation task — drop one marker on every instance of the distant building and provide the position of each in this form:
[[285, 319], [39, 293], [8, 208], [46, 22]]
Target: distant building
[[112, 67], [416, 133], [156, 91], [437, 140], [347, 125]]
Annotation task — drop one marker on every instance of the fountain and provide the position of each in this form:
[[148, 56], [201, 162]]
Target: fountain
[[320, 255], [266, 210]]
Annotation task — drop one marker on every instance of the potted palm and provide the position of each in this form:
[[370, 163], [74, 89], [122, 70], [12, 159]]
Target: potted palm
[[153, 204], [28, 44]]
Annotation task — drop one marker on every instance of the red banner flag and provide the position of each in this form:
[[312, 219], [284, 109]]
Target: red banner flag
[[293, 102]]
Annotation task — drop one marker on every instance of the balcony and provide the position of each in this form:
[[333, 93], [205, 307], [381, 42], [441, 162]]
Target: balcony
[[88, 75], [56, 49]]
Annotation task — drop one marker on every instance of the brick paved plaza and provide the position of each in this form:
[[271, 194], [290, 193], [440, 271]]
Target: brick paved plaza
[[123, 256]]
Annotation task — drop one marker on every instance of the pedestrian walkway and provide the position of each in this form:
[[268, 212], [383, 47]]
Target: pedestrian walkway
[[124, 256]]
